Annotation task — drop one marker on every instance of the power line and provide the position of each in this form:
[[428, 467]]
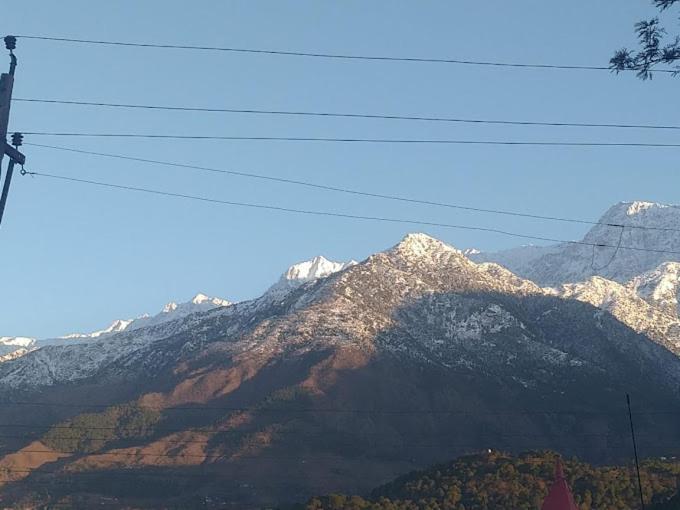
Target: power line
[[420, 118], [122, 474], [489, 437], [169, 430], [336, 56], [348, 190], [213, 430], [48, 429], [412, 141], [292, 410], [226, 456], [237, 457], [351, 437], [341, 215]]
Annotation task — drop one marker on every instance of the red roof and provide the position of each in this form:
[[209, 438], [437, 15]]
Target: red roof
[[559, 497]]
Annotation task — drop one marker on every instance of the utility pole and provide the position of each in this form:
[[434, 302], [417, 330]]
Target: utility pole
[[6, 85]]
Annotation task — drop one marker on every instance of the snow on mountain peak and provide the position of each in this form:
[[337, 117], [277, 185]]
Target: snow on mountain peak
[[170, 312], [302, 272], [20, 341], [418, 245], [639, 212], [642, 230], [114, 327], [200, 298], [170, 307], [637, 206], [199, 303], [318, 267]]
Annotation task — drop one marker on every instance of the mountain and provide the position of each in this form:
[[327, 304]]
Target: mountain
[[15, 347], [570, 263], [67, 360], [410, 357], [9, 344], [303, 272], [294, 276]]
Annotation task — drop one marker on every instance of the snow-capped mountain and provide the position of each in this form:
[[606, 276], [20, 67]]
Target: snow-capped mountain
[[414, 346], [303, 272], [53, 365], [570, 263], [429, 258], [421, 344], [14, 347], [10, 344], [174, 311]]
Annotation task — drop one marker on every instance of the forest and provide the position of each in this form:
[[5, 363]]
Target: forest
[[496, 480]]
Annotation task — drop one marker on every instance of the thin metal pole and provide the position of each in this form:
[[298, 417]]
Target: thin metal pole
[[637, 462]]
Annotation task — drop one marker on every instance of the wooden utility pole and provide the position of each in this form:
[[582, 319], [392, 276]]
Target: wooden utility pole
[[6, 85]]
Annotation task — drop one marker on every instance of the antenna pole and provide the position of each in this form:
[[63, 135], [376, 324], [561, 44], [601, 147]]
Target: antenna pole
[[637, 462]]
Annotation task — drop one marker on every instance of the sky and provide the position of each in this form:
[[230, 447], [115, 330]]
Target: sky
[[75, 257]]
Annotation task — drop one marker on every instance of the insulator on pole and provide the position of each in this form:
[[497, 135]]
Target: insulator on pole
[[10, 42], [17, 139]]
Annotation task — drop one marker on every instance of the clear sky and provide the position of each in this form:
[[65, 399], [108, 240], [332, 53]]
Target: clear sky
[[75, 257]]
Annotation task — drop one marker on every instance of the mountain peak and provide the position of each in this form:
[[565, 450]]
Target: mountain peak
[[639, 205], [169, 307], [318, 267], [200, 298], [302, 272], [639, 227], [639, 212], [416, 245]]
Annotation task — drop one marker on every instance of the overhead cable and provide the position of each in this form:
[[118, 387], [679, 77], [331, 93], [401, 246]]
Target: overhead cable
[[340, 215], [420, 118], [411, 141], [350, 191], [326, 55]]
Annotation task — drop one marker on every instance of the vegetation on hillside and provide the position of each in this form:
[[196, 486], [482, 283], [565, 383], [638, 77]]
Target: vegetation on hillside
[[87, 433], [497, 480]]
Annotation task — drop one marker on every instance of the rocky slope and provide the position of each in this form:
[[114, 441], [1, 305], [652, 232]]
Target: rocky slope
[[658, 323], [659, 287], [409, 357]]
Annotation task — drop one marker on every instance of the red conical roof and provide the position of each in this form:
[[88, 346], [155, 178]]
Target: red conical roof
[[559, 497]]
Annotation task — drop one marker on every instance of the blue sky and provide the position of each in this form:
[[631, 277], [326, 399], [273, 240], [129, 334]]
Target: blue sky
[[75, 257]]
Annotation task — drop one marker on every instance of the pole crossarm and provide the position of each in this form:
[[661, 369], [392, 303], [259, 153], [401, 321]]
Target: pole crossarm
[[14, 154]]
